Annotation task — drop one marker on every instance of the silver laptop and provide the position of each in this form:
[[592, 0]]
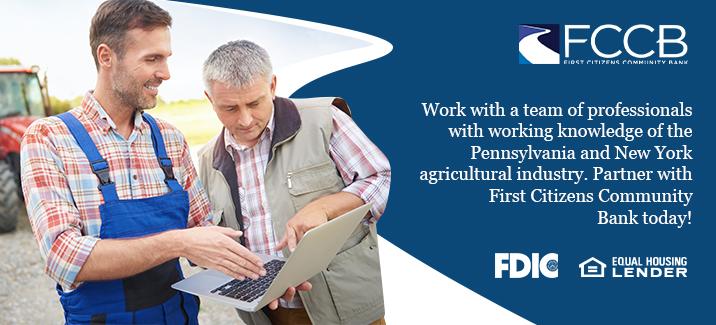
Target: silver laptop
[[312, 254]]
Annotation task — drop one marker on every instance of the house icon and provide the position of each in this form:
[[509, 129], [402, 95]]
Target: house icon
[[592, 268]]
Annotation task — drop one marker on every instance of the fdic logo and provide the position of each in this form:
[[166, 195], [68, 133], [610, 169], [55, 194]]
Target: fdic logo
[[548, 265], [539, 43]]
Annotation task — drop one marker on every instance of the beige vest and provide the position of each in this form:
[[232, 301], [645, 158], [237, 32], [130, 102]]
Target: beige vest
[[300, 170]]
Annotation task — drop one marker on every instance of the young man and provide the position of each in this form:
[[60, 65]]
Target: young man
[[283, 166], [112, 195]]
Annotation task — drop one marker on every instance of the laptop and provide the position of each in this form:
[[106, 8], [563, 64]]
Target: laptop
[[312, 255]]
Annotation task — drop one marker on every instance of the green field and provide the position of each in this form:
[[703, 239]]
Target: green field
[[195, 118]]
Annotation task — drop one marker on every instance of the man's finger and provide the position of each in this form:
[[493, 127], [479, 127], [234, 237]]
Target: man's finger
[[242, 253], [288, 237], [304, 286], [291, 238], [229, 232], [290, 292], [230, 273], [235, 270], [273, 304], [281, 243]]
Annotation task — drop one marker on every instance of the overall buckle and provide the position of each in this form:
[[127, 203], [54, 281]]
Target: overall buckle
[[101, 169], [166, 165]]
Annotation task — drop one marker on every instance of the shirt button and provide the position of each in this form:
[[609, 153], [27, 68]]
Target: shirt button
[[256, 148], [263, 204], [268, 232], [259, 176], [135, 177]]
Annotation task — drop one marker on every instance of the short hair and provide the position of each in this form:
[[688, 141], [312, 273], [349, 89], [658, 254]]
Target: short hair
[[237, 64], [114, 18]]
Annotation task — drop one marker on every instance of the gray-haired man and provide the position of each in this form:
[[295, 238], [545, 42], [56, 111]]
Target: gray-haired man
[[283, 166]]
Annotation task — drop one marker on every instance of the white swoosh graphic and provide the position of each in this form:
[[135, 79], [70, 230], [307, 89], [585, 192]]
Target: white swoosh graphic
[[273, 34], [536, 52]]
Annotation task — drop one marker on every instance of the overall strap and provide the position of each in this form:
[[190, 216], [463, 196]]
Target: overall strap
[[97, 162], [161, 152]]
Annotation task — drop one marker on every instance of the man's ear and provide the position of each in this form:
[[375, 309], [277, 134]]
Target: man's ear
[[209, 97], [273, 87], [105, 56]]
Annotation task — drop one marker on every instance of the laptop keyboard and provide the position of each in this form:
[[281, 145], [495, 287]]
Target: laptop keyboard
[[249, 289]]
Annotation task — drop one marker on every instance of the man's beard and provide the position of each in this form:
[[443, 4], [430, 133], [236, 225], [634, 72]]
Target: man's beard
[[127, 91]]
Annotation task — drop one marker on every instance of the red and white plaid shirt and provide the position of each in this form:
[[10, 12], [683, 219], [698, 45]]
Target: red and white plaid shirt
[[61, 191], [363, 167]]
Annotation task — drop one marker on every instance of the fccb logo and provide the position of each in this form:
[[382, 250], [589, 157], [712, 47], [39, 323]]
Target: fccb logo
[[540, 43]]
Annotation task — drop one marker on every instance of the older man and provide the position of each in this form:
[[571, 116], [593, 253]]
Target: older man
[[111, 193], [283, 166]]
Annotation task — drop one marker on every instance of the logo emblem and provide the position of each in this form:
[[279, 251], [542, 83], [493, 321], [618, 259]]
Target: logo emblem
[[592, 268], [539, 44], [552, 265]]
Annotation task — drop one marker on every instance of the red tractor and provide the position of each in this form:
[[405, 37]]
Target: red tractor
[[23, 99]]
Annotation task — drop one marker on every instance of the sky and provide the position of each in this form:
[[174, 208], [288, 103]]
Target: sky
[[55, 36]]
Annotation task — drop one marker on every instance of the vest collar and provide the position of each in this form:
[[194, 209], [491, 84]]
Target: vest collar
[[288, 122]]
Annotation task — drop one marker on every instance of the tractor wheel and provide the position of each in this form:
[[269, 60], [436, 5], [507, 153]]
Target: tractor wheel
[[13, 158], [8, 198]]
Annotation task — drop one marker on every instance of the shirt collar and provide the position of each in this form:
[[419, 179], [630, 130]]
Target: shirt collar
[[95, 112]]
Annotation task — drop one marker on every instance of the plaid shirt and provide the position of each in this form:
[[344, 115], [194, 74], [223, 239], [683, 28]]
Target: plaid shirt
[[61, 191], [363, 168]]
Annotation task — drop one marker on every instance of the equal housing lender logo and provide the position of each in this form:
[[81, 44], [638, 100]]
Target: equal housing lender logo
[[606, 44], [635, 267]]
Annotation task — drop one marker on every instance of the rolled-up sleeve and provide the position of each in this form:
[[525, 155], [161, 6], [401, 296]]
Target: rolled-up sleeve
[[200, 212], [364, 168], [55, 220]]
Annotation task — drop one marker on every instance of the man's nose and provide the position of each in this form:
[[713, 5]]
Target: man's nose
[[244, 118], [163, 72]]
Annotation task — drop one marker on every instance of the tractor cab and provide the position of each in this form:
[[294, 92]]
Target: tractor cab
[[23, 99]]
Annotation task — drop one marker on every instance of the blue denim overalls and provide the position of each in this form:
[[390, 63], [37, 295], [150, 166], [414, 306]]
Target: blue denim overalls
[[145, 298]]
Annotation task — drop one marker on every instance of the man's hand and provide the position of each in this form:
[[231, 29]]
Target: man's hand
[[213, 248], [303, 221], [290, 293], [315, 214], [210, 247]]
